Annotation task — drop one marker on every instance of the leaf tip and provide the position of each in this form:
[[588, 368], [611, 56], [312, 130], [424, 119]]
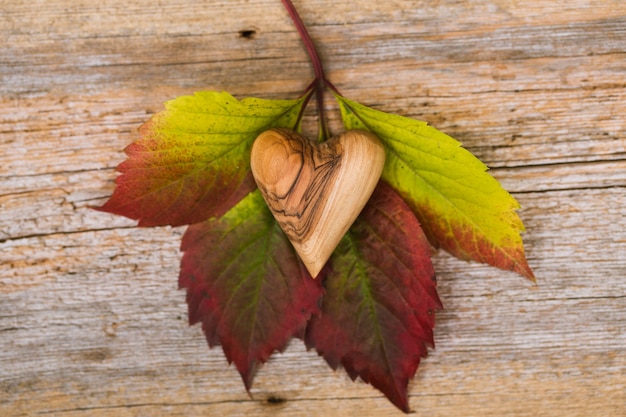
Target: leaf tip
[[525, 271]]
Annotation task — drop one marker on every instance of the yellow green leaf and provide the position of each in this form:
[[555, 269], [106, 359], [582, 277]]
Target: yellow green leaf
[[192, 160], [461, 207]]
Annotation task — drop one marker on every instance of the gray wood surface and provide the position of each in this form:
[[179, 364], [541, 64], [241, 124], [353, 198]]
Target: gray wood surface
[[91, 321]]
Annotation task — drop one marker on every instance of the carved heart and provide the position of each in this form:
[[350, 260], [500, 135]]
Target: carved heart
[[316, 190]]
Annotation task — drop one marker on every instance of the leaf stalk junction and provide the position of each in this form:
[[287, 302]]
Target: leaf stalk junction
[[320, 82]]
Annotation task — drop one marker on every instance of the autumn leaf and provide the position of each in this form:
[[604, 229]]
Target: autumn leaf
[[192, 160], [246, 285], [378, 311], [461, 207]]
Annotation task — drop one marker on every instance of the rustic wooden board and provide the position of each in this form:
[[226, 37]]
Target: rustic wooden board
[[91, 322]]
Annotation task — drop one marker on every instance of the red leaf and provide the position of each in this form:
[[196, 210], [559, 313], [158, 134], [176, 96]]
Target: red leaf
[[378, 310], [246, 285]]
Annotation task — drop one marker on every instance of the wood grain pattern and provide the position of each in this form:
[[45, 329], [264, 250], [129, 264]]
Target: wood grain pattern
[[91, 321], [316, 190]]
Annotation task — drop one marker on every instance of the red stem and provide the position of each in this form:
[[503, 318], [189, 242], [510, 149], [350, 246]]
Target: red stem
[[320, 79]]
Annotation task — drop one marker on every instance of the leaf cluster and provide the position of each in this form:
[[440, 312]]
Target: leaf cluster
[[371, 310]]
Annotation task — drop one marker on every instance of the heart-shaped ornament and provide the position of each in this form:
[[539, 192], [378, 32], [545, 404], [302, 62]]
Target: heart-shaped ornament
[[316, 190]]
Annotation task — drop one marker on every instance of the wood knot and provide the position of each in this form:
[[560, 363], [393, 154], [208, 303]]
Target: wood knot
[[274, 400], [247, 34]]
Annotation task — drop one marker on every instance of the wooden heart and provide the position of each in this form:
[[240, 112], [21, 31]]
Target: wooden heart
[[316, 190]]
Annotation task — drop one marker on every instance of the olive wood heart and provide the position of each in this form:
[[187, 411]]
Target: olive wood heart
[[316, 190]]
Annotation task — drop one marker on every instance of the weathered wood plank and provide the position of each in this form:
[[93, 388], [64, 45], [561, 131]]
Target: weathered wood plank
[[91, 322]]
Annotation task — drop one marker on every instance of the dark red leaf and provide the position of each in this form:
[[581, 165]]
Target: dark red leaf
[[378, 310], [246, 285]]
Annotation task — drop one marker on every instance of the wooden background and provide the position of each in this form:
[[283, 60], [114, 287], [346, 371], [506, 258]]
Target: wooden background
[[91, 321]]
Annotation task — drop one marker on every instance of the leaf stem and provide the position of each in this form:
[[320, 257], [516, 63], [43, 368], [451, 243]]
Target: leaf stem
[[320, 78]]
